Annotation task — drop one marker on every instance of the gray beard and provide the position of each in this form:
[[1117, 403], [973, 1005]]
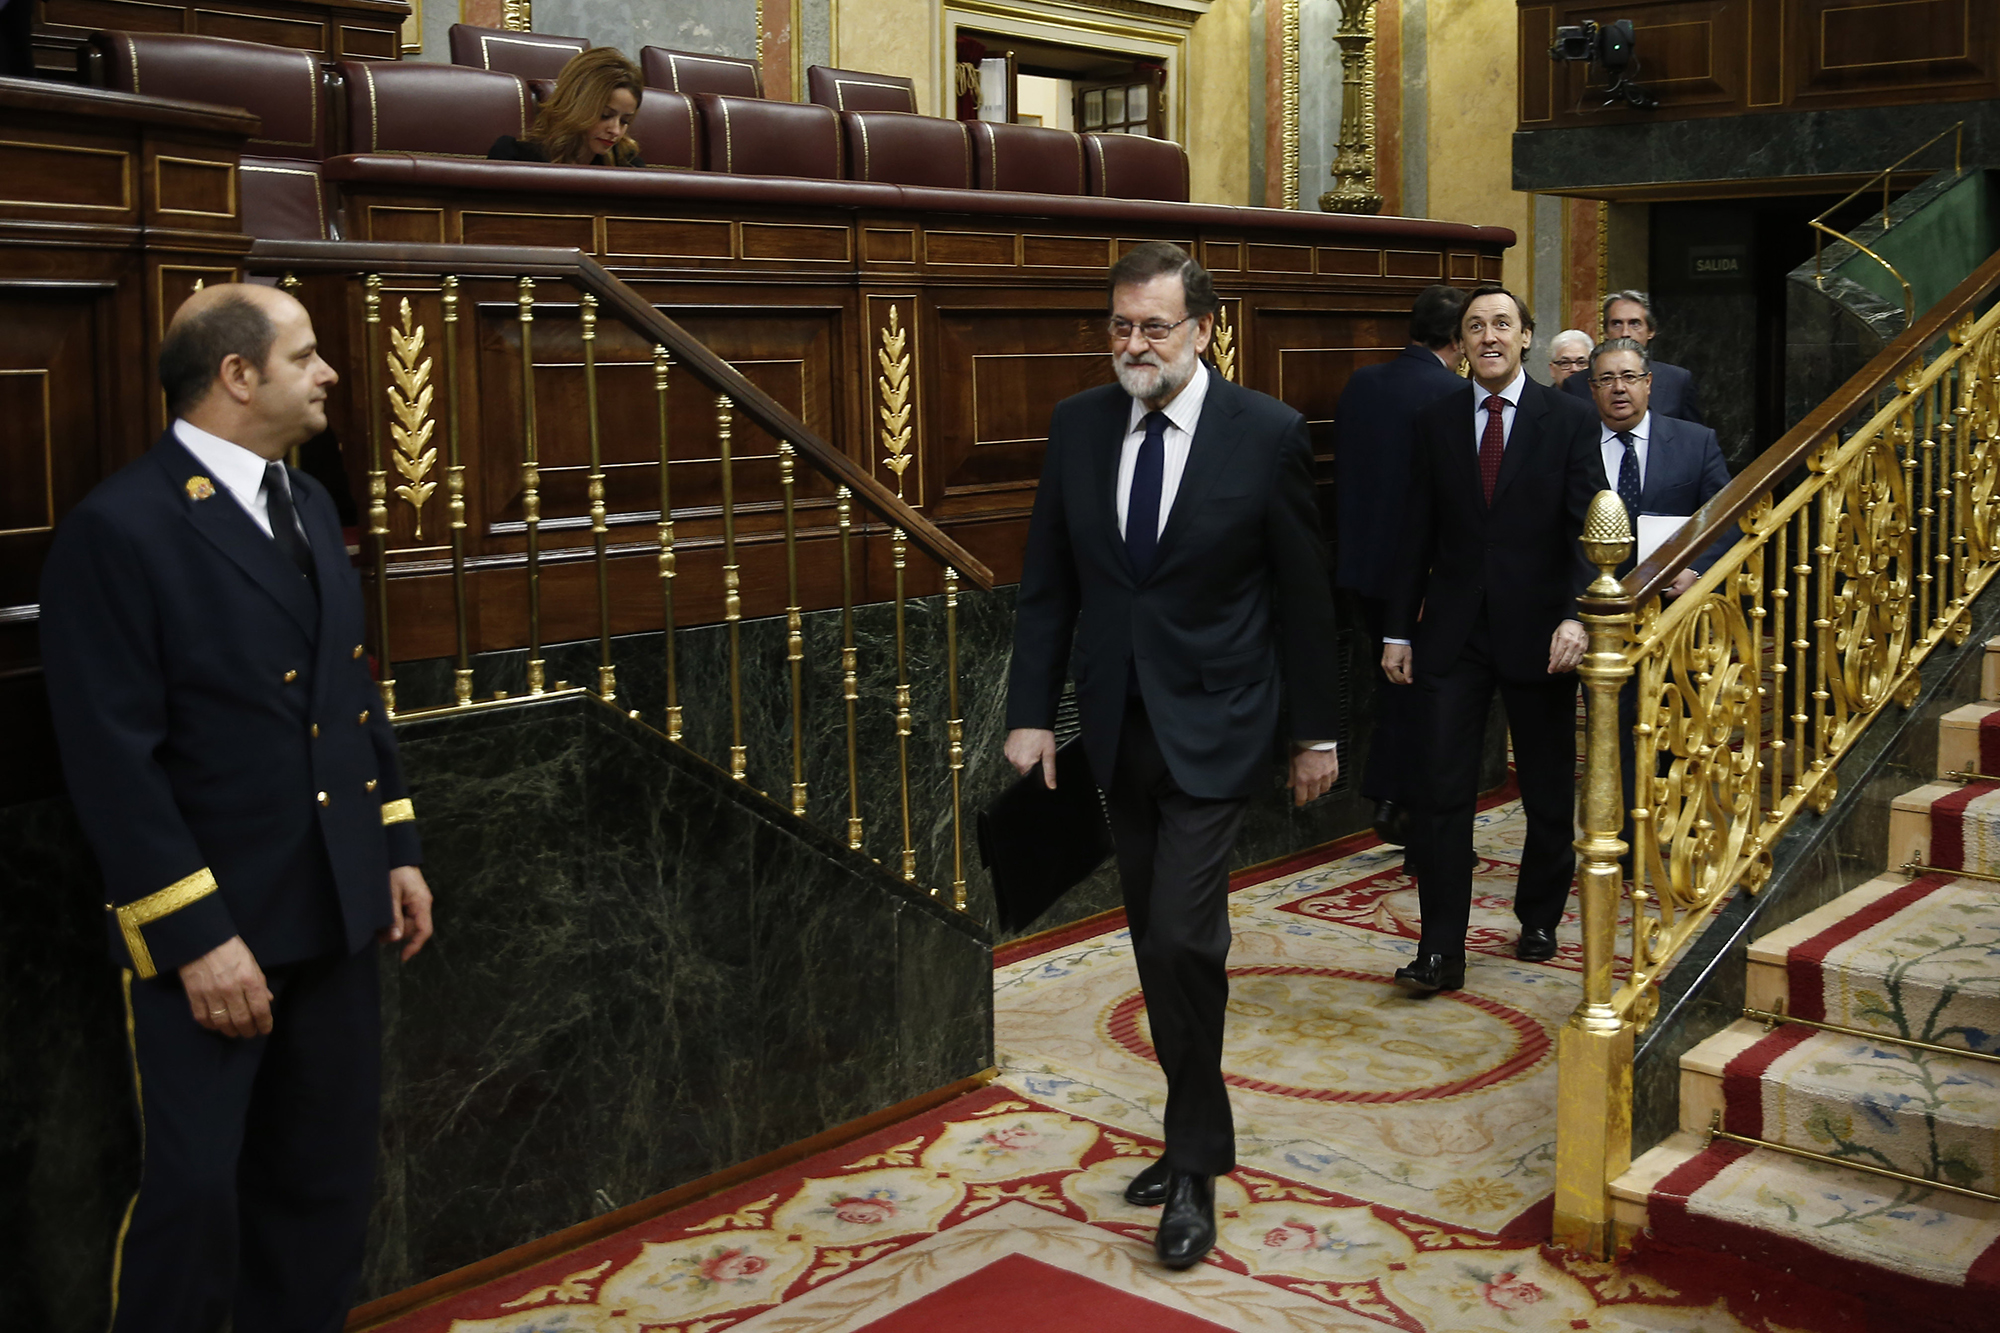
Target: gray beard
[[1172, 375]]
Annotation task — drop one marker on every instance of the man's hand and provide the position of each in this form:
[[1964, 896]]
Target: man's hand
[[1028, 746], [1396, 662], [1682, 582], [410, 901], [1313, 773], [1566, 647], [226, 991]]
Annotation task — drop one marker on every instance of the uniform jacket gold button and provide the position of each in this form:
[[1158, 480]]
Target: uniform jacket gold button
[[363, 719], [357, 652], [291, 676], [368, 785], [324, 799], [315, 731]]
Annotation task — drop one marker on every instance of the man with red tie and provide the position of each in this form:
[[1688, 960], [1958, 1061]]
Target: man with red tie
[[1500, 476]]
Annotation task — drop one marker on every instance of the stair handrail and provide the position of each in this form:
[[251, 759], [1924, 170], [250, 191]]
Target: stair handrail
[[587, 274], [1862, 537], [1821, 230]]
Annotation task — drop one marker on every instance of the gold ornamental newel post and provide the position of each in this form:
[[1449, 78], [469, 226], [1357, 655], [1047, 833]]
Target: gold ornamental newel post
[[1594, 1049]]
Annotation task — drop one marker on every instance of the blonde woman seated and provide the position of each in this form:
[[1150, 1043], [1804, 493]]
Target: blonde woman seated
[[584, 122]]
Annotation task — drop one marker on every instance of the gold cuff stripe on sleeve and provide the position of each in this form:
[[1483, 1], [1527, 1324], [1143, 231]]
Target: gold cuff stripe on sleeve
[[398, 812], [151, 908]]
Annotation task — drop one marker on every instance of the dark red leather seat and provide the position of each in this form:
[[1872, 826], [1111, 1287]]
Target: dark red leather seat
[[1028, 158], [853, 90], [896, 148], [668, 129], [1131, 166], [532, 55], [280, 192], [754, 137], [414, 107], [695, 72]]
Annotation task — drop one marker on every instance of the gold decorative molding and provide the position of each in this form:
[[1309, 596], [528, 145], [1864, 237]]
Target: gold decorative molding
[[519, 15], [410, 403], [1291, 105], [1225, 344], [894, 385]]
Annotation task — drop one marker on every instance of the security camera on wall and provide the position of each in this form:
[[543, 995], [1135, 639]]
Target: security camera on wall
[[1611, 45]]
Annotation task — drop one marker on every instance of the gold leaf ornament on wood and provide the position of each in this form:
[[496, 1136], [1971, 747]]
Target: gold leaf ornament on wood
[[410, 404], [894, 387]]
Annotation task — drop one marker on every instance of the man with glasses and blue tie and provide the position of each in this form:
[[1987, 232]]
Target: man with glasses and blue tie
[[1176, 545], [1660, 467]]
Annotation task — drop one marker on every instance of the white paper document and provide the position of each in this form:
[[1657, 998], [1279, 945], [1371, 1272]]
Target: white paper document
[[1655, 529]]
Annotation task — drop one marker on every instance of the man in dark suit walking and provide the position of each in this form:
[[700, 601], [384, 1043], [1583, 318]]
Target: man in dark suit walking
[[1629, 314], [1500, 477], [1175, 535], [1371, 455], [1659, 467], [236, 774]]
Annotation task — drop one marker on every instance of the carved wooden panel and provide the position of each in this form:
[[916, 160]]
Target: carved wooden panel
[[1843, 50], [339, 29]]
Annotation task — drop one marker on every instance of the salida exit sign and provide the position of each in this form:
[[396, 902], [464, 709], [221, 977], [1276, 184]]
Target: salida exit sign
[[1719, 261]]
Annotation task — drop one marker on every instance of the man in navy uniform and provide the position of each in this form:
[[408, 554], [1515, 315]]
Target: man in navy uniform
[[234, 769], [1371, 454], [1175, 545]]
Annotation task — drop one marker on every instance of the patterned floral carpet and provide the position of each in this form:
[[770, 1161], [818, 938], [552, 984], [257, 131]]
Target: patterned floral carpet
[[1396, 1163]]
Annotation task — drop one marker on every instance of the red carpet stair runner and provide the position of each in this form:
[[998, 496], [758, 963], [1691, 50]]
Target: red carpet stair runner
[[1915, 955]]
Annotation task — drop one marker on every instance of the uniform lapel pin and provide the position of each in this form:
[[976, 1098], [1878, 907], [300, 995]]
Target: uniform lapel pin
[[200, 488]]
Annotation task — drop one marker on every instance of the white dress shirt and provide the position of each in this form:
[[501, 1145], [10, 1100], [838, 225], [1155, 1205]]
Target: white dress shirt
[[235, 469], [1512, 395], [1614, 452], [1183, 414]]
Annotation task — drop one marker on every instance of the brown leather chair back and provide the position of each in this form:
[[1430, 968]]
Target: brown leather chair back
[[282, 87], [1131, 166], [900, 149], [668, 129], [283, 199], [532, 55], [1029, 158], [414, 107], [694, 72], [754, 137], [853, 90]]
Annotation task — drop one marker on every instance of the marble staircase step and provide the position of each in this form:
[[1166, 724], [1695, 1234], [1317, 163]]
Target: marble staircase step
[[1632, 1191], [1767, 985], [1958, 734], [1989, 671]]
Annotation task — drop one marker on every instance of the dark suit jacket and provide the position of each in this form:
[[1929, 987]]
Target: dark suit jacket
[[1238, 598], [1371, 455], [1519, 557], [218, 729], [507, 148], [1673, 392], [1684, 469]]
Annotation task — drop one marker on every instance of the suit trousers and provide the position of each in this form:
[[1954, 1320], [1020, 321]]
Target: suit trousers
[[259, 1156], [1173, 866], [1392, 743], [1541, 722]]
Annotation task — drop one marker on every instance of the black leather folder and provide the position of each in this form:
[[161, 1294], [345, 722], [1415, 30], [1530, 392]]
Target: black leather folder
[[1040, 844]]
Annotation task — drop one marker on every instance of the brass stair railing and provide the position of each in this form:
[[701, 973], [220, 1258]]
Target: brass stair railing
[[1821, 230], [1865, 533], [416, 298]]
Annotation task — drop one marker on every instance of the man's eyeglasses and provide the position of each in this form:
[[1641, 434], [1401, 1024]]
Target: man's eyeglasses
[[1153, 330], [1628, 378], [1570, 362]]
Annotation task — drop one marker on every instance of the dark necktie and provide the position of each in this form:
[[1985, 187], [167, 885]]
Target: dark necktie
[[1628, 478], [1492, 443], [1142, 507], [285, 530]]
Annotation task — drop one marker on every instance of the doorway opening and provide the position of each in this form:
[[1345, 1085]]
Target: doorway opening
[[1033, 82]]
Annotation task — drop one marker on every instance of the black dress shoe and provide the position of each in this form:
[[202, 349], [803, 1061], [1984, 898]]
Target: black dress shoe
[[1536, 945], [1392, 823], [1149, 1188], [1187, 1227], [1432, 972]]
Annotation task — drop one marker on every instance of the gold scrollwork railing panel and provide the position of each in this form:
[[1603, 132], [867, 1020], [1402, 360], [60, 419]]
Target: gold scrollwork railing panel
[[1850, 550], [556, 553]]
